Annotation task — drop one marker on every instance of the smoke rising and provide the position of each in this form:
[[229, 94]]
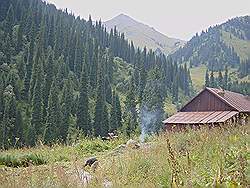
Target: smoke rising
[[149, 120]]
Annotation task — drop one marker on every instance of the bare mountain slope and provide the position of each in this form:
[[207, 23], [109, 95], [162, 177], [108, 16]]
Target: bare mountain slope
[[143, 35]]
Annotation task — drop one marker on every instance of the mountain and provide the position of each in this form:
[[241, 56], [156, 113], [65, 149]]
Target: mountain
[[143, 35], [220, 49], [62, 76], [223, 45]]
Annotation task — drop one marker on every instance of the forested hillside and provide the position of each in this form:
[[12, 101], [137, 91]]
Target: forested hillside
[[220, 47], [60, 76]]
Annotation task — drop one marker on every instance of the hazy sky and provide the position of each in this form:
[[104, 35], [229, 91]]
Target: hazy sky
[[175, 18]]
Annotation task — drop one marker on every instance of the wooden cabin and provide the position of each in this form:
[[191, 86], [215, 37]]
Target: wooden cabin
[[212, 107]]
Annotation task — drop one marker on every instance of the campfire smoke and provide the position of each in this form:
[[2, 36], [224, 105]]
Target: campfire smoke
[[149, 120]]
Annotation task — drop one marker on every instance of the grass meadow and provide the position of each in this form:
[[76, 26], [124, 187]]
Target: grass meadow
[[201, 158]]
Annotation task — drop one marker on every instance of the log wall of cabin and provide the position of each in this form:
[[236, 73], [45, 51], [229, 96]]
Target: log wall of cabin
[[206, 101]]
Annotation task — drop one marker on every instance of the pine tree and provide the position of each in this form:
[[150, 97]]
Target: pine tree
[[48, 79], [8, 50], [53, 120], [29, 65], [118, 111], [78, 60], [9, 21], [101, 120], [21, 65], [207, 79], [66, 108], [36, 125], [113, 114], [212, 79], [83, 117], [225, 81], [11, 127], [131, 105], [19, 131], [19, 44], [94, 67], [1, 99], [176, 88], [220, 80]]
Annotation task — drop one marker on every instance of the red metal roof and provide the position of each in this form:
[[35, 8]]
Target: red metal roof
[[238, 101], [200, 117]]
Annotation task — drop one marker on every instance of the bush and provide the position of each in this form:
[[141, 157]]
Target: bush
[[91, 147], [88, 146], [22, 160]]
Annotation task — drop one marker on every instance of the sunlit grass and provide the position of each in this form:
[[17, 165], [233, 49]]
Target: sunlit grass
[[201, 158]]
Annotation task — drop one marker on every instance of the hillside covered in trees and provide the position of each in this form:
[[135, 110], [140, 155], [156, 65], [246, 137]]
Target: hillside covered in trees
[[61, 76], [225, 46]]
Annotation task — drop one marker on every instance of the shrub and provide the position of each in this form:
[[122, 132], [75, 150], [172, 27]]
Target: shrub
[[21, 160]]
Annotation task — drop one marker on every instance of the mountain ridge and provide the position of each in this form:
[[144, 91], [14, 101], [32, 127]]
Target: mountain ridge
[[144, 35]]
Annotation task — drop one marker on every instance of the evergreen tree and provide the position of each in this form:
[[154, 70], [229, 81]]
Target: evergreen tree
[[78, 60], [207, 79], [176, 88], [1, 99], [131, 106], [94, 67], [9, 21], [36, 125], [19, 44], [53, 120], [66, 108], [29, 65], [101, 120], [118, 111], [20, 65], [83, 116], [225, 81], [48, 80], [113, 114], [220, 80], [11, 127], [212, 79]]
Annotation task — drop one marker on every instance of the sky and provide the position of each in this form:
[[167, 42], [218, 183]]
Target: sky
[[175, 18]]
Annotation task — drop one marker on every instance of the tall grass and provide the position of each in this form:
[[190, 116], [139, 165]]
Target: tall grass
[[201, 158]]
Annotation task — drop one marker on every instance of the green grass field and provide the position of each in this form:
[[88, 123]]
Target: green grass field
[[202, 158], [242, 47], [198, 76]]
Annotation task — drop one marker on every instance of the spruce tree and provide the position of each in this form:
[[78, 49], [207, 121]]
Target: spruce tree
[[212, 79], [83, 117], [1, 98], [19, 44], [225, 81], [94, 67], [10, 127], [118, 111], [113, 114], [53, 120], [220, 80], [29, 66], [78, 60], [9, 21], [207, 79], [131, 105], [21, 65], [101, 119], [66, 108], [36, 124], [48, 79]]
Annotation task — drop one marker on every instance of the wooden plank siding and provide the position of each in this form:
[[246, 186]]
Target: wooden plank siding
[[206, 101]]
